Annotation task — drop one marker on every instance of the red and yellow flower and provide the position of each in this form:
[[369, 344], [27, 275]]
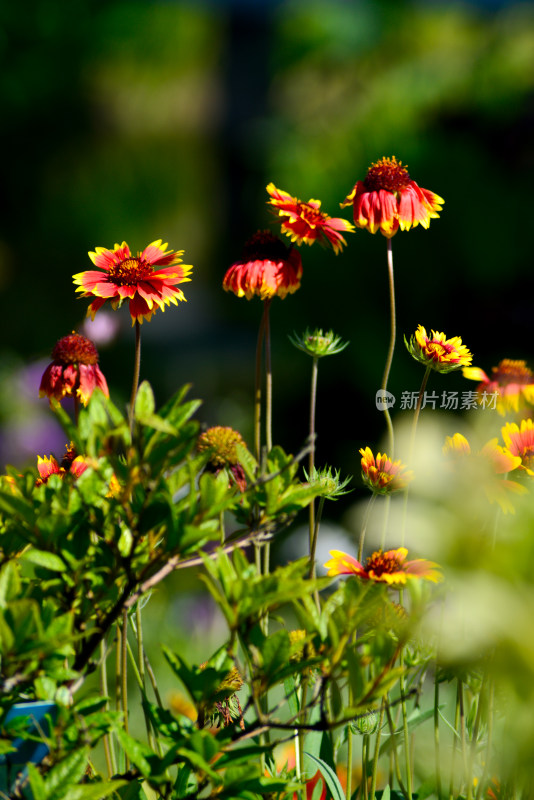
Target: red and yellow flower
[[148, 281], [267, 268], [438, 352], [492, 460], [512, 380], [74, 371], [71, 464], [381, 474], [388, 199], [520, 442], [388, 567], [305, 222]]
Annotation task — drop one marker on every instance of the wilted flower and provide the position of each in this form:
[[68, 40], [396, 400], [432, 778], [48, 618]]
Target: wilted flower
[[74, 371], [267, 268], [71, 464], [305, 222], [227, 706], [388, 199], [388, 567], [220, 443], [381, 474], [438, 352], [512, 380], [148, 281], [318, 344], [520, 442]]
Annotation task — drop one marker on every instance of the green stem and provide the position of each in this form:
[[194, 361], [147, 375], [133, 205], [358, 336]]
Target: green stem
[[311, 457], [268, 380], [109, 751], [349, 752], [137, 368], [406, 734], [436, 733], [257, 389], [315, 537], [376, 755], [365, 522], [365, 758], [391, 348], [124, 678], [463, 737], [418, 410]]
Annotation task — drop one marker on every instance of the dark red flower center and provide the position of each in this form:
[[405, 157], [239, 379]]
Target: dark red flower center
[[75, 349], [381, 563], [510, 371], [130, 272], [388, 174], [264, 246], [68, 458]]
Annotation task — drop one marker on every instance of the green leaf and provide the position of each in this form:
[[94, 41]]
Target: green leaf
[[66, 773], [137, 752], [332, 781], [18, 507], [10, 585], [43, 558], [95, 791], [145, 404]]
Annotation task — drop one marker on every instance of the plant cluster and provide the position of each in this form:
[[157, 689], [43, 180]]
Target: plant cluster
[[321, 688]]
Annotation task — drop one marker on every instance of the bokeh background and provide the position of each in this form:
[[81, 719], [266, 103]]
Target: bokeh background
[[139, 120]]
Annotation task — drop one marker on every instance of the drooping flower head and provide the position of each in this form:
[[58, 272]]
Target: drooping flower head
[[305, 222], [520, 442], [267, 268], [220, 443], [381, 474], [388, 567], [148, 280], [388, 199], [438, 352], [74, 371], [512, 380], [71, 464]]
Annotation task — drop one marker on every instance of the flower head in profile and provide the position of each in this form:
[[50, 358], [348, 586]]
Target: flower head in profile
[[220, 444], [520, 442], [388, 199], [267, 268], [148, 280], [438, 352], [381, 474], [489, 465], [317, 343], [305, 222], [512, 381], [71, 464], [74, 371], [329, 482], [388, 567]]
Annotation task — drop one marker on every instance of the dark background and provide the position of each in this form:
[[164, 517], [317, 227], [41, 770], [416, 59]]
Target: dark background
[[143, 120]]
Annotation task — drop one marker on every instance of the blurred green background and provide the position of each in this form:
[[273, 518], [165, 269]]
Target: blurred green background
[[139, 120]]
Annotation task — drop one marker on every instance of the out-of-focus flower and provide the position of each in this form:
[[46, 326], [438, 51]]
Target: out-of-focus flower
[[438, 352], [500, 461], [267, 268], [388, 199], [220, 443], [305, 222], [381, 474], [74, 371], [71, 464], [520, 442], [512, 380], [148, 281], [318, 344], [388, 567]]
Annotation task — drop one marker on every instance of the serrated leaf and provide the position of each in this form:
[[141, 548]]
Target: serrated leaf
[[137, 752], [65, 774]]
